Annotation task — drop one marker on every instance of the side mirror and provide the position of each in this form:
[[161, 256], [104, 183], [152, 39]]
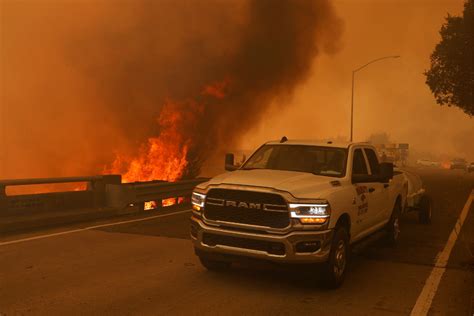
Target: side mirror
[[229, 162], [386, 171]]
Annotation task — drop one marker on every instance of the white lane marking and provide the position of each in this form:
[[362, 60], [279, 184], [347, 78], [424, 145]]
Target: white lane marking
[[425, 299], [4, 243]]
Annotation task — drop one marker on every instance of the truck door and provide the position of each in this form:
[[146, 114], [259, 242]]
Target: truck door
[[378, 193], [360, 201]]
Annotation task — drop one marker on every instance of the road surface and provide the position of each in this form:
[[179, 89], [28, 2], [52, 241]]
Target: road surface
[[148, 267]]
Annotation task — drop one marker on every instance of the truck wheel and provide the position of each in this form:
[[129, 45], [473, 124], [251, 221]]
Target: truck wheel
[[393, 226], [424, 212], [335, 269], [214, 265]]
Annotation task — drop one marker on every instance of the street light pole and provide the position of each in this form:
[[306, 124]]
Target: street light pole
[[352, 106], [352, 96]]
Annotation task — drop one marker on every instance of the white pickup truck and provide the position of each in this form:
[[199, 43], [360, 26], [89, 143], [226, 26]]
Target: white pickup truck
[[297, 202]]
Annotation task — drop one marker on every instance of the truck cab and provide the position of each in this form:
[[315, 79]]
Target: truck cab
[[297, 202]]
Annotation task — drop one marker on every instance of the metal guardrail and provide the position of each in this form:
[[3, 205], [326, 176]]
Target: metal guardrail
[[93, 196], [11, 182], [102, 191], [124, 195]]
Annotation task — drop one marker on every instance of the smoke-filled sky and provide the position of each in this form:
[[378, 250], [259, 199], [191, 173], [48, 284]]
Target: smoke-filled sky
[[390, 96], [81, 80]]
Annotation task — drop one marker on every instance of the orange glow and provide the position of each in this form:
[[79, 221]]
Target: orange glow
[[168, 202], [150, 205], [45, 188], [446, 165], [216, 89], [81, 187], [311, 220]]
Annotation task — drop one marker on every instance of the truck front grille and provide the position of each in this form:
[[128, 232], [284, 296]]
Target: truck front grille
[[271, 247], [247, 207]]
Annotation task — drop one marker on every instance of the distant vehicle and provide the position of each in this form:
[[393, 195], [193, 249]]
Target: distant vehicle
[[459, 163], [427, 163], [395, 153], [470, 167]]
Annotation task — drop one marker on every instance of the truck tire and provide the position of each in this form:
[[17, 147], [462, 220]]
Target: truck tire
[[424, 212], [393, 226], [334, 270], [214, 265]]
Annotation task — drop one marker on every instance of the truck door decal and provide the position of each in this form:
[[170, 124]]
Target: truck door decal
[[363, 203], [361, 189]]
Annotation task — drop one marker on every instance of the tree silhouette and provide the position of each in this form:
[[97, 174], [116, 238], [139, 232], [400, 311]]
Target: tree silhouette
[[451, 76]]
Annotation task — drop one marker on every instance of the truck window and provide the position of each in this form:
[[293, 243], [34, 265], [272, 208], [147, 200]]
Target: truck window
[[373, 161], [358, 164], [261, 157], [324, 161]]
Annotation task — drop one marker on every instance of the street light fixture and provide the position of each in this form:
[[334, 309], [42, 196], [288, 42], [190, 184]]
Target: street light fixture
[[352, 98]]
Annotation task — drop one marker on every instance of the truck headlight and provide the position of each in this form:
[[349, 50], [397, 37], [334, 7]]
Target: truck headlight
[[310, 213], [198, 199]]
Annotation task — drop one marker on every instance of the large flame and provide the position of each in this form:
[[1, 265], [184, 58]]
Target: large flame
[[165, 157], [161, 158]]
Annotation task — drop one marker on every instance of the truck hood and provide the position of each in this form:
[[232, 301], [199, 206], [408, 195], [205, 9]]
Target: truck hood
[[299, 184]]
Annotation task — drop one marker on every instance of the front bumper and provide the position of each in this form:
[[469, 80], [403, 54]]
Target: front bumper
[[290, 253]]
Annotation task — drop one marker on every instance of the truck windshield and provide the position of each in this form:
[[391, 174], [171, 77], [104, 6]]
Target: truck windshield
[[324, 161]]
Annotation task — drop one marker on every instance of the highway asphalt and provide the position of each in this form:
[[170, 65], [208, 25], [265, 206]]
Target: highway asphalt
[[148, 267]]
